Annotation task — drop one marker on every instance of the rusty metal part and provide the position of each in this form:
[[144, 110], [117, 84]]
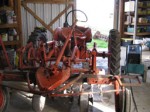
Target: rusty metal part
[[78, 70], [94, 68], [5, 53], [70, 83], [1, 98], [77, 94], [12, 77], [49, 81], [103, 54], [99, 81], [137, 83], [117, 87]]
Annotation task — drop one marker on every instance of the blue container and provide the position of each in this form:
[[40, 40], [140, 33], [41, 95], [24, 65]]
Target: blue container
[[130, 29]]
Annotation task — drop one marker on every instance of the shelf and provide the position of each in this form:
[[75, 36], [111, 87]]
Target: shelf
[[138, 24], [11, 42], [14, 6], [138, 34], [13, 25], [6, 8], [144, 7], [132, 14]]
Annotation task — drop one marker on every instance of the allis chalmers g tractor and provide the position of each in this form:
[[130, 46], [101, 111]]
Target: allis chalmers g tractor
[[47, 68]]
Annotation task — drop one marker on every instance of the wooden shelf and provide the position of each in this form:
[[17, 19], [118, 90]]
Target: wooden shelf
[[15, 5], [11, 42], [132, 14], [6, 8], [13, 25], [138, 24], [138, 34], [144, 7]]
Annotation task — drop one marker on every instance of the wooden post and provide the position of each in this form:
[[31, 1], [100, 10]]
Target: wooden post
[[121, 18], [19, 23]]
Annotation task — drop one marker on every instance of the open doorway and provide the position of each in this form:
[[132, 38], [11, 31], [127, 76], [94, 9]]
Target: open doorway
[[100, 15]]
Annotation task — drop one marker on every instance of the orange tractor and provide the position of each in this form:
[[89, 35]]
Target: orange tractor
[[47, 68]]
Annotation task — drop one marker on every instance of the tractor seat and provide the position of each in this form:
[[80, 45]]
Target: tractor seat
[[87, 33]]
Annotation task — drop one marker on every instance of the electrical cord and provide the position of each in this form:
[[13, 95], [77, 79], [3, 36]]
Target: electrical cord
[[133, 98]]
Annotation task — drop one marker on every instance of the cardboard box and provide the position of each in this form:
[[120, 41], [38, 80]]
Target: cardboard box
[[126, 41], [130, 6]]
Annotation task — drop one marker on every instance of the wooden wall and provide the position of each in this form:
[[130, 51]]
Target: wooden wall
[[47, 13]]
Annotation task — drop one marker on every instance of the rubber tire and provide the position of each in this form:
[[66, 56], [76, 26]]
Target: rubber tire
[[114, 49], [126, 102], [84, 102], [38, 103], [4, 91], [122, 101]]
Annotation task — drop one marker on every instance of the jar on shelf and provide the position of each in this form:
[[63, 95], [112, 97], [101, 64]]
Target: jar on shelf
[[4, 36], [10, 35], [10, 15], [15, 34], [14, 18], [3, 16]]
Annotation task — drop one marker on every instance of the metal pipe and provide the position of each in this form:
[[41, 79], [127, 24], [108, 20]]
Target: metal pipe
[[135, 23]]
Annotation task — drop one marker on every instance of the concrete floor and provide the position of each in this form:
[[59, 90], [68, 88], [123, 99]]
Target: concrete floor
[[141, 93], [19, 103]]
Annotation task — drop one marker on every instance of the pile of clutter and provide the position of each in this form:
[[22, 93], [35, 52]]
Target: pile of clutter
[[100, 36], [145, 43]]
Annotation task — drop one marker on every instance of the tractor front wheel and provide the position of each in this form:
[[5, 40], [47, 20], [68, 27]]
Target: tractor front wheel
[[38, 103], [84, 102], [4, 99]]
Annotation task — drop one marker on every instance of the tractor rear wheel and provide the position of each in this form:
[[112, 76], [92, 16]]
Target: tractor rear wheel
[[114, 49], [4, 99], [38, 103]]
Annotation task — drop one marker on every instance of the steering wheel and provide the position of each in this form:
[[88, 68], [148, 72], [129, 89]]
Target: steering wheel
[[66, 24]]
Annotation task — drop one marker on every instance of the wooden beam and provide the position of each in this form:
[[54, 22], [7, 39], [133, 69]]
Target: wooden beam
[[19, 21], [37, 17], [59, 15], [121, 17], [48, 1]]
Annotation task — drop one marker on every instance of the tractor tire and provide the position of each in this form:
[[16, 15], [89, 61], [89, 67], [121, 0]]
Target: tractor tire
[[4, 99], [122, 101], [126, 101], [114, 49], [38, 103], [84, 102]]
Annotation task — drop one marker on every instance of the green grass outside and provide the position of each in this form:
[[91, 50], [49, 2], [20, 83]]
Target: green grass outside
[[99, 43]]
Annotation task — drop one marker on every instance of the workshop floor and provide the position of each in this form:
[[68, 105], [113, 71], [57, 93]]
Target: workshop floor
[[19, 103], [141, 93]]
